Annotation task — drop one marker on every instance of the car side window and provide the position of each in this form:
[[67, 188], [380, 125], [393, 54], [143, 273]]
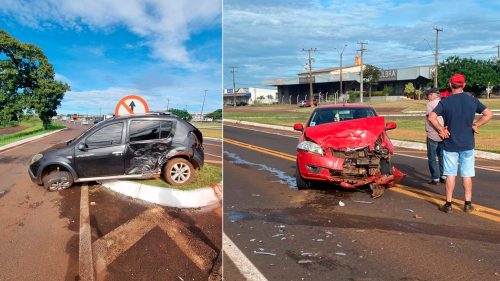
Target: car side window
[[165, 129], [106, 136], [143, 130]]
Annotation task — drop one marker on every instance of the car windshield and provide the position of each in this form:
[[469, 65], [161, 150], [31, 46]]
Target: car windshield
[[329, 115]]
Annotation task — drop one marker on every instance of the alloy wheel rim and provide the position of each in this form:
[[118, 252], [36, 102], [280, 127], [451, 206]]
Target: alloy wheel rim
[[180, 172]]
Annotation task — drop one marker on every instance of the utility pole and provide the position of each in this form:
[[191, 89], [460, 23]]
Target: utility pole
[[437, 29], [233, 70], [341, 53], [498, 52], [361, 50], [310, 50], [203, 105], [168, 103]]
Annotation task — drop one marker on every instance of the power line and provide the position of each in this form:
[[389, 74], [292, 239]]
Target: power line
[[361, 50], [233, 70], [437, 29], [309, 51]]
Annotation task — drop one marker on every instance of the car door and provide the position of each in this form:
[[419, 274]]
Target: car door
[[147, 143], [102, 152]]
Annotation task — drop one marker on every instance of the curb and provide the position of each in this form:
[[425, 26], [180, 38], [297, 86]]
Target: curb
[[398, 143], [23, 141], [197, 198]]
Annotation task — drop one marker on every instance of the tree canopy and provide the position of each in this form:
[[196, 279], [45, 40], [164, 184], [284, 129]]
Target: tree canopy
[[371, 75], [216, 115], [478, 73], [181, 113], [27, 82]]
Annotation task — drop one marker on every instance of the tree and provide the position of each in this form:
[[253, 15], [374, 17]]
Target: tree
[[181, 113], [478, 73], [27, 82], [410, 90], [216, 115], [371, 74]]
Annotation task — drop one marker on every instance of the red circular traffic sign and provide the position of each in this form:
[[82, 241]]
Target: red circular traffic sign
[[131, 105]]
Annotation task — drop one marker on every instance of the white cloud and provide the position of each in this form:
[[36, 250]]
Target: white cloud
[[165, 25]]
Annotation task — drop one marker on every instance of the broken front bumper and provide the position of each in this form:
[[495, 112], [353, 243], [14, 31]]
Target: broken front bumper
[[327, 168]]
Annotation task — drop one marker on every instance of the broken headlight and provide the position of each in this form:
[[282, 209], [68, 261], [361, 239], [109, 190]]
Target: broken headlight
[[36, 158], [310, 146]]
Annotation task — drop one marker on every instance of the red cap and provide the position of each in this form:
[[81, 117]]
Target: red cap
[[457, 79]]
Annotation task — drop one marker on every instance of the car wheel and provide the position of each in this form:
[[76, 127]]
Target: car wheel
[[58, 180], [301, 182], [178, 172]]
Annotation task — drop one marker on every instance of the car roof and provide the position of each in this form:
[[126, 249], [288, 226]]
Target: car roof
[[347, 105], [144, 116]]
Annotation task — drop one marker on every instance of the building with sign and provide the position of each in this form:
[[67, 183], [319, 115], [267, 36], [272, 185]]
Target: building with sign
[[246, 96], [326, 82]]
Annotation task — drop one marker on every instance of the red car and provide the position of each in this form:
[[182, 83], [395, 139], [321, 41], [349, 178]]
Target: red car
[[346, 145]]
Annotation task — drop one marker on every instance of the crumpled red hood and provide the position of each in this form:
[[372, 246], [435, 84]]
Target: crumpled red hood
[[347, 134]]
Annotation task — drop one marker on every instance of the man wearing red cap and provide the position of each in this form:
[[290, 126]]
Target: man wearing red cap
[[458, 112]]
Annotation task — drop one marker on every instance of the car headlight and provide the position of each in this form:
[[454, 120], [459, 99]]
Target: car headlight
[[36, 158], [310, 146]]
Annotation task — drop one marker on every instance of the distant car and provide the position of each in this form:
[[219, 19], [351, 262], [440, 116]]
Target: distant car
[[128, 147], [346, 145], [85, 122], [311, 103], [303, 103]]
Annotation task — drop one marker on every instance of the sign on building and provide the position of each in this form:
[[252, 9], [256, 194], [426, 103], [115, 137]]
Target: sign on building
[[388, 75]]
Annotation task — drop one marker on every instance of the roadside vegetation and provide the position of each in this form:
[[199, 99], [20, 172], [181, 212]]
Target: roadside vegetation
[[210, 129], [33, 127], [409, 128], [209, 175]]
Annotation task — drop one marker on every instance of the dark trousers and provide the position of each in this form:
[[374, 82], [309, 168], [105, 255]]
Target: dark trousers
[[435, 149]]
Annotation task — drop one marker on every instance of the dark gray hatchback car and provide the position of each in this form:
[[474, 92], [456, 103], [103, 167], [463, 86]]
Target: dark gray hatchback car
[[128, 147]]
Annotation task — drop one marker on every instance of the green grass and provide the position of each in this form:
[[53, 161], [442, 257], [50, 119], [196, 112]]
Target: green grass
[[35, 128], [210, 129], [208, 176]]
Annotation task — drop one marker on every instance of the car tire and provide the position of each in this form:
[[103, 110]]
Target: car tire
[[301, 182], [58, 180], [178, 172]]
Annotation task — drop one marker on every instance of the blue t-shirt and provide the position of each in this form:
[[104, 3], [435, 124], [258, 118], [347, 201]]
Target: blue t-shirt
[[458, 111]]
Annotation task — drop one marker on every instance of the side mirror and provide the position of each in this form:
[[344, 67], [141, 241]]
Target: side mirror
[[390, 126], [82, 147], [298, 127]]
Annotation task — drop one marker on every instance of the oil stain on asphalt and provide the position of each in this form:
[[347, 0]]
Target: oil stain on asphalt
[[282, 176]]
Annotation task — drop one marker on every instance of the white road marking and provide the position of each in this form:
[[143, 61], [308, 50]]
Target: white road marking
[[244, 265], [218, 156], [86, 266]]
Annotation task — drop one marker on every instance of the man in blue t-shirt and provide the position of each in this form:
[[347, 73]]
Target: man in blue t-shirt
[[458, 112]]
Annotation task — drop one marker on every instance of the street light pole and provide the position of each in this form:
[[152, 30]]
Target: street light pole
[[341, 53], [233, 70], [436, 57], [203, 105]]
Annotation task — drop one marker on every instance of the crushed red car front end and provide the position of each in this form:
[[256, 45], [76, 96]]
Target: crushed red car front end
[[353, 153]]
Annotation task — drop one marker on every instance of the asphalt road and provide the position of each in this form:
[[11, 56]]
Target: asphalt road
[[39, 233], [288, 234]]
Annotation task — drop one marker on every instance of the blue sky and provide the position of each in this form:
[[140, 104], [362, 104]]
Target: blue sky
[[108, 49], [264, 38]]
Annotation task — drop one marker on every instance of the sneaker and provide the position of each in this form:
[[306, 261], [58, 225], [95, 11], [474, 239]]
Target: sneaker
[[445, 208], [468, 208], [433, 182], [442, 180]]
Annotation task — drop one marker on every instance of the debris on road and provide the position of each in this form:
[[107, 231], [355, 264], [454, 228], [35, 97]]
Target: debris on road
[[278, 234], [417, 216], [251, 240], [255, 195], [264, 253], [340, 254], [362, 202], [409, 210], [92, 203], [304, 261], [341, 204], [306, 254]]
